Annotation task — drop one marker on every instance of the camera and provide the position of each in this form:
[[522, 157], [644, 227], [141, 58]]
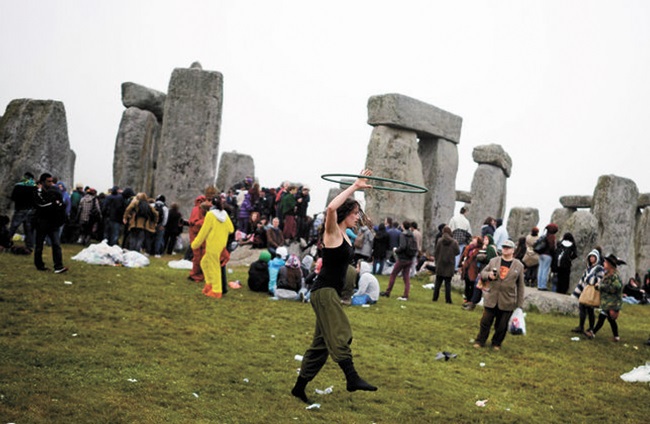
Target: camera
[[494, 272]]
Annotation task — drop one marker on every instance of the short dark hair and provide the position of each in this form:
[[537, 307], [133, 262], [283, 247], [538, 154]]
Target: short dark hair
[[44, 176], [463, 210]]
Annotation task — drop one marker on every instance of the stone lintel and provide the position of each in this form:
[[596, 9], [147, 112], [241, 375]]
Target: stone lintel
[[493, 154], [463, 196], [644, 200], [576, 202], [403, 112]]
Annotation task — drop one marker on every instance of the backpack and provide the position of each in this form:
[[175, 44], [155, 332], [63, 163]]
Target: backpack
[[411, 246], [540, 245], [358, 242], [161, 212], [563, 258]]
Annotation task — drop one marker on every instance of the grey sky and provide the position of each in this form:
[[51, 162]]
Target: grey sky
[[563, 86]]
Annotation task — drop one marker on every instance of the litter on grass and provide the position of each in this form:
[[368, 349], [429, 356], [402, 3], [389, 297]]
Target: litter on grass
[[246, 380], [575, 339], [132, 380], [181, 264], [313, 406], [482, 364], [103, 254], [446, 355], [481, 403], [429, 286], [67, 283], [298, 358], [196, 395], [639, 374], [324, 392]]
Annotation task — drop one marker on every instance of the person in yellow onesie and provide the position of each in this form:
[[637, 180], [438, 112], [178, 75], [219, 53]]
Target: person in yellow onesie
[[214, 232]]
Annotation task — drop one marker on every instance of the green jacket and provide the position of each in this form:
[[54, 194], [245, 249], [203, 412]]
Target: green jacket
[[611, 292]]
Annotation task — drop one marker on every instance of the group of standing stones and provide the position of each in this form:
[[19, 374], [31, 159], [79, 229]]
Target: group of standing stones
[[169, 143]]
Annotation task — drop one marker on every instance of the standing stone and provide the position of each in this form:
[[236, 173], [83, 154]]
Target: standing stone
[[189, 144], [521, 221], [643, 242], [583, 225], [439, 159], [559, 217], [233, 168], [34, 138], [136, 95], [615, 205], [136, 148], [489, 184], [332, 193], [393, 154]]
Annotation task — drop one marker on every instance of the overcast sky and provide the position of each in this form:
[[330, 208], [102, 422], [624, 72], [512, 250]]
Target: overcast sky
[[563, 86]]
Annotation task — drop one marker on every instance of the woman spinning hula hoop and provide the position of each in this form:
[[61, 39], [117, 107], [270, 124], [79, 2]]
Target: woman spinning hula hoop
[[333, 334]]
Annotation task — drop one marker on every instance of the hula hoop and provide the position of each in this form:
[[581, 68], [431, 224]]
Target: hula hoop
[[414, 187]]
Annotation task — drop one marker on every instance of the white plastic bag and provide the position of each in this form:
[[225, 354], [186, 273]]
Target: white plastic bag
[[517, 323]]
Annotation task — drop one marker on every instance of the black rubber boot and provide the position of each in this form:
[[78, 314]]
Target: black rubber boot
[[354, 382], [299, 390]]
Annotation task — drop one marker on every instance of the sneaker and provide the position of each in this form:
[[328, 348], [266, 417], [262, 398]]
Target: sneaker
[[403, 298], [589, 334], [60, 270], [469, 306], [577, 330], [477, 345], [616, 339], [496, 348], [157, 256], [384, 294]]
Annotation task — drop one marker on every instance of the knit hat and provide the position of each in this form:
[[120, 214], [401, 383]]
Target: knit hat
[[293, 262], [282, 252], [265, 256], [594, 253]]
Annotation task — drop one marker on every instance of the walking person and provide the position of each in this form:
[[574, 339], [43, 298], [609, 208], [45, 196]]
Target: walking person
[[546, 256], [405, 252], [505, 278], [333, 334], [23, 195], [611, 296]]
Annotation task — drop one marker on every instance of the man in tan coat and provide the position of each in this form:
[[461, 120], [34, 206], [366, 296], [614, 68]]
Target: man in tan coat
[[504, 277]]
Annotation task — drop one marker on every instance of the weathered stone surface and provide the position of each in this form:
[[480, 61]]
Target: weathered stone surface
[[34, 138], [233, 168], [559, 217], [403, 112], [644, 200], [332, 193], [393, 154], [493, 154], [463, 196], [643, 242], [615, 206], [136, 148], [576, 202], [488, 195], [439, 159], [583, 225], [521, 221], [189, 144], [346, 182], [136, 95]]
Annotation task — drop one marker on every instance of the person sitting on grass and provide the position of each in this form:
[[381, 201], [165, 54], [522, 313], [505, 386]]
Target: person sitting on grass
[[368, 291], [258, 273], [290, 279]]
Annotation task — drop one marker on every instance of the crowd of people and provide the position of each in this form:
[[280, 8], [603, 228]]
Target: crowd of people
[[493, 267]]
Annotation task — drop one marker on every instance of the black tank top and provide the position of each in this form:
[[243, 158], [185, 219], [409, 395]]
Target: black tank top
[[335, 266]]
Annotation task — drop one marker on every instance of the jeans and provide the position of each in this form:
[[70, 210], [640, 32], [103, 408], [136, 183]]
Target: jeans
[[543, 270], [457, 259], [42, 231], [24, 217], [159, 242], [378, 266], [112, 232]]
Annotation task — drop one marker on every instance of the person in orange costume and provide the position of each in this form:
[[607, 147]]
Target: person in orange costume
[[214, 232], [201, 206]]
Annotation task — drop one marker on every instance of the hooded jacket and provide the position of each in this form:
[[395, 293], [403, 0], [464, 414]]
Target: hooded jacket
[[368, 283], [445, 255]]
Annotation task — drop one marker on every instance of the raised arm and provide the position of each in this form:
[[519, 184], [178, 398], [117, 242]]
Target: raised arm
[[332, 236]]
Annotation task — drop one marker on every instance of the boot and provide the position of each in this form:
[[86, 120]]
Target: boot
[[354, 382], [299, 390]]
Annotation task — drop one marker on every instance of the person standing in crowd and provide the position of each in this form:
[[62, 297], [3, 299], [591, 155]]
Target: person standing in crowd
[[487, 252], [489, 226], [159, 235], [405, 252], [469, 267], [363, 244], [592, 276], [333, 334], [445, 253], [531, 258], [565, 253], [139, 217], [505, 276], [113, 211], [216, 228], [23, 195], [379, 249], [461, 230], [500, 234], [173, 228], [611, 297], [303, 198], [546, 256], [88, 215], [50, 215], [274, 236]]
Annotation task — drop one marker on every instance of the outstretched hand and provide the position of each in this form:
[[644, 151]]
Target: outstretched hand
[[362, 183]]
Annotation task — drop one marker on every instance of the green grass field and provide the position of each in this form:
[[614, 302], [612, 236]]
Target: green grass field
[[144, 345]]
